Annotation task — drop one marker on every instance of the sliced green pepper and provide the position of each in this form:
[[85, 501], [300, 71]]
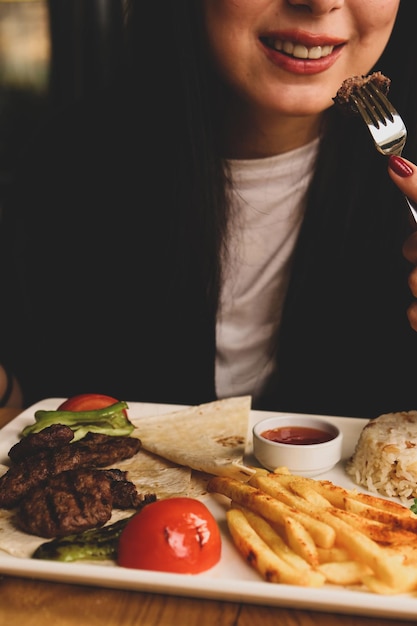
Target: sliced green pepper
[[110, 420]]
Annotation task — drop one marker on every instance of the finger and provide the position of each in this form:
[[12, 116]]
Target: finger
[[404, 175], [412, 315], [410, 248], [412, 282]]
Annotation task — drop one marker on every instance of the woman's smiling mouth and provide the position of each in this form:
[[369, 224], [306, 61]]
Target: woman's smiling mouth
[[298, 50], [301, 53]]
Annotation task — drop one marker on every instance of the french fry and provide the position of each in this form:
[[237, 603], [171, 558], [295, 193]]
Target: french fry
[[334, 494], [333, 555], [398, 510], [282, 470], [306, 491], [258, 554], [379, 532], [301, 541], [376, 585], [345, 573], [270, 508], [271, 537], [393, 517]]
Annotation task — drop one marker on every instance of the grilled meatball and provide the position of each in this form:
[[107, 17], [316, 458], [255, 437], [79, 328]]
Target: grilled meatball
[[94, 450], [49, 438], [72, 501]]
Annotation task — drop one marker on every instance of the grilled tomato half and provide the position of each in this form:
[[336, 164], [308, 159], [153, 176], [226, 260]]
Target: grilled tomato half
[[177, 534]]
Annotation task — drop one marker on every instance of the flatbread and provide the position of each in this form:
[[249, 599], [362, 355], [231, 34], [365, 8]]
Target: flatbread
[[152, 474], [208, 437]]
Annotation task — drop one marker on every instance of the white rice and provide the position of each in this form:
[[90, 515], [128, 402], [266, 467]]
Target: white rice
[[385, 457]]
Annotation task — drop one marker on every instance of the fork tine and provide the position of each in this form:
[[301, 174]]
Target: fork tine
[[371, 106], [366, 111], [382, 105], [371, 87]]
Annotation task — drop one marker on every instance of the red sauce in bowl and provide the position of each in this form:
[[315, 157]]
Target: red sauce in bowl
[[297, 435]]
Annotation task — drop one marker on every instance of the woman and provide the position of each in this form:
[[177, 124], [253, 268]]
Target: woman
[[216, 227]]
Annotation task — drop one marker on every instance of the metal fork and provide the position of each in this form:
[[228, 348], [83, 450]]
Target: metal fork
[[384, 123]]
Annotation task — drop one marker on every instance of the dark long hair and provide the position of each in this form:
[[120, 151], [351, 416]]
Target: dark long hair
[[177, 87]]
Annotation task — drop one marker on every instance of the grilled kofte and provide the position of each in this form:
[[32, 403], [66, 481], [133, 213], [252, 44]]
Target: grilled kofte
[[49, 438], [57, 487], [76, 500], [94, 450]]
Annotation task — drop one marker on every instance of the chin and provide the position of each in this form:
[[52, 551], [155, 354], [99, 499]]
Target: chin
[[301, 102]]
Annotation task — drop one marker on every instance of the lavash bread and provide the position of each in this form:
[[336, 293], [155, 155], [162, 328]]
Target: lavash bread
[[209, 437], [385, 457]]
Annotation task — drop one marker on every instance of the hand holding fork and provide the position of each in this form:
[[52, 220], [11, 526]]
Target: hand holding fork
[[384, 123], [389, 134]]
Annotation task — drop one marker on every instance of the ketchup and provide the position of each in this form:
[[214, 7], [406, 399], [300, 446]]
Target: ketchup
[[297, 435]]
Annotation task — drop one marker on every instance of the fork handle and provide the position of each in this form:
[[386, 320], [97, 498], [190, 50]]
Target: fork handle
[[413, 208]]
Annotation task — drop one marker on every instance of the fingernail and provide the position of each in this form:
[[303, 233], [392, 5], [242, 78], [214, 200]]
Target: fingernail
[[399, 166]]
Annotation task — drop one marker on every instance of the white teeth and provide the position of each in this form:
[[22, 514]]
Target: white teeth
[[301, 52]]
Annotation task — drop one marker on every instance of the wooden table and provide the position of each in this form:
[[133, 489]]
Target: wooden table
[[38, 603]]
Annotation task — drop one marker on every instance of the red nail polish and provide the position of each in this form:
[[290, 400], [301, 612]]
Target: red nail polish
[[399, 166]]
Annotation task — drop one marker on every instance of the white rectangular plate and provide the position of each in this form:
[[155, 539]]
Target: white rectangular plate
[[232, 579]]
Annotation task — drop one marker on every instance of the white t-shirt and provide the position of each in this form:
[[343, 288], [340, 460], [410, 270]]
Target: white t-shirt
[[270, 201]]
